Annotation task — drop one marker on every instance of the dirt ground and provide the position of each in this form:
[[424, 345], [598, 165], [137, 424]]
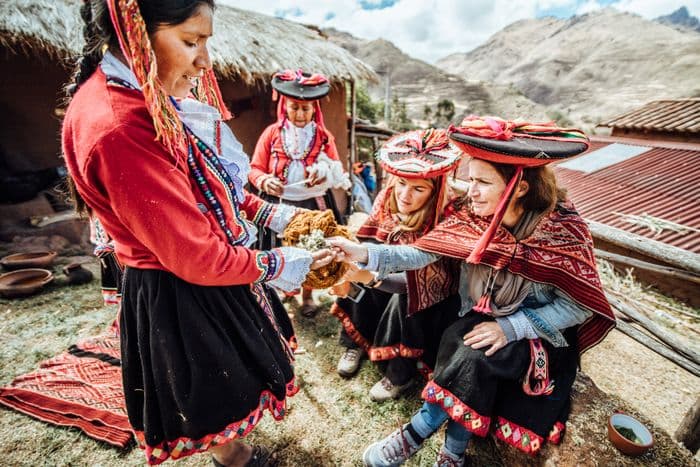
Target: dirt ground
[[330, 421], [662, 391]]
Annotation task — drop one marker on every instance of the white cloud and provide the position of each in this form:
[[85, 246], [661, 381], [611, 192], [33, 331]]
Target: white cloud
[[432, 29]]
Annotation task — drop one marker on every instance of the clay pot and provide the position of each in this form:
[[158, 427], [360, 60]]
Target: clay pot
[[38, 259], [24, 282], [77, 274], [624, 445]]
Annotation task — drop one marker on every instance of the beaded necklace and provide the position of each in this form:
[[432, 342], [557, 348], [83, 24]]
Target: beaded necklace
[[214, 165], [306, 157]]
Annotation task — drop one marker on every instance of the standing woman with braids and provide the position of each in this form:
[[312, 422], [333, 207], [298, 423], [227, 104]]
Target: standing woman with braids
[[206, 347]]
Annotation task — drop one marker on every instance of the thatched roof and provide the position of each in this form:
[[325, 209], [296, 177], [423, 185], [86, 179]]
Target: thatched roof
[[247, 45]]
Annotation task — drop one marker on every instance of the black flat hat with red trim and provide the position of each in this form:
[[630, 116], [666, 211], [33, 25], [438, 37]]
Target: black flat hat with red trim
[[517, 143], [419, 154], [300, 85]]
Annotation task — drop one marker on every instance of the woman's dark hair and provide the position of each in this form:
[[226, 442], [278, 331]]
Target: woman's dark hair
[[543, 192], [99, 33]]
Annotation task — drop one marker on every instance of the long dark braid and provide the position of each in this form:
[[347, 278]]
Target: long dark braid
[[97, 33]]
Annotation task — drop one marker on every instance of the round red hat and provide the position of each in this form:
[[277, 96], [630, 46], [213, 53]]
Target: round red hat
[[419, 154]]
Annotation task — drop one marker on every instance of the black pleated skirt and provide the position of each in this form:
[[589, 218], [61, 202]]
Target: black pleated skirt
[[485, 394], [201, 364]]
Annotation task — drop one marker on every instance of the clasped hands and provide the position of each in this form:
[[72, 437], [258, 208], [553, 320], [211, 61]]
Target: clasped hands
[[342, 249]]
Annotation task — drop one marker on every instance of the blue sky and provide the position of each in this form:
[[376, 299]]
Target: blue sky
[[432, 29]]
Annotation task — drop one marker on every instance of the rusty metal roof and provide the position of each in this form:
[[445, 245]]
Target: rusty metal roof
[[668, 115], [663, 182]]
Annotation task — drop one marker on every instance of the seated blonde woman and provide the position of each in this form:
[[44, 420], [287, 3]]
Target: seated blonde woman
[[396, 327]]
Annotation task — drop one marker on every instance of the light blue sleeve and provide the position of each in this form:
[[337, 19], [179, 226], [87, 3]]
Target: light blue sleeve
[[548, 313], [387, 259]]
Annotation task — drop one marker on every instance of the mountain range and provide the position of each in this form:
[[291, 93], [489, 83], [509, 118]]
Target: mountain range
[[579, 70]]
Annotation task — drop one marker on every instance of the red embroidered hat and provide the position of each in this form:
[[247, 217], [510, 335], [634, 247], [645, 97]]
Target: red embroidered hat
[[300, 85], [419, 154], [517, 143], [520, 144]]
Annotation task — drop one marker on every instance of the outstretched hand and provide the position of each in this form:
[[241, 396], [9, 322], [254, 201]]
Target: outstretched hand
[[488, 334], [347, 250], [322, 258]]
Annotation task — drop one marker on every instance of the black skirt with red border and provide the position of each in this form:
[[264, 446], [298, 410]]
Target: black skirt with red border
[[380, 325], [485, 394], [201, 365]]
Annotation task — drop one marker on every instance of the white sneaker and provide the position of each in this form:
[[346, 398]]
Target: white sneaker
[[392, 451], [349, 363], [385, 390], [447, 459]]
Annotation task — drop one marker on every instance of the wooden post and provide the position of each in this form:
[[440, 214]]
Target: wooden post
[[688, 431], [353, 144]]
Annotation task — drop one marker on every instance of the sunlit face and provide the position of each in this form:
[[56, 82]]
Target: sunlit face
[[412, 194], [300, 113], [181, 52], [485, 187]]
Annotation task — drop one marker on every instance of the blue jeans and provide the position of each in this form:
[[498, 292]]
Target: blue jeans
[[429, 419]]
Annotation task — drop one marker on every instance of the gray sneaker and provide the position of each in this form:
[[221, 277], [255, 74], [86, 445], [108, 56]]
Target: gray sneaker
[[349, 363], [447, 459], [384, 390], [392, 451]]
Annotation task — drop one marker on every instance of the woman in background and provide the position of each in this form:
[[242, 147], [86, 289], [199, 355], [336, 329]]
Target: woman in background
[[295, 159]]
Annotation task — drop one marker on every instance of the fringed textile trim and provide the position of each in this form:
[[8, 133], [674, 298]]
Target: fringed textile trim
[[183, 446]]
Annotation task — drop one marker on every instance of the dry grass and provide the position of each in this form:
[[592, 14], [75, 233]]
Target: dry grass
[[329, 423]]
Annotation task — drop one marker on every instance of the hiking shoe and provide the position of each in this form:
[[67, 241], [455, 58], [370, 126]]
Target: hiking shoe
[[446, 459], [260, 457], [385, 390], [392, 451], [349, 363]]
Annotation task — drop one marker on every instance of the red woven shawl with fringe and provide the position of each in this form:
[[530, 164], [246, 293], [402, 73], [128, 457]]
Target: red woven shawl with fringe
[[559, 252], [426, 286]]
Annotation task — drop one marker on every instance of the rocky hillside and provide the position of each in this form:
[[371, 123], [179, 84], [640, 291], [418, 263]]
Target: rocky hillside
[[419, 84], [681, 19], [590, 67]]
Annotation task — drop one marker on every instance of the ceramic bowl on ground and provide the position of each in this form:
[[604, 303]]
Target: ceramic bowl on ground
[[24, 282], [622, 427], [37, 259]]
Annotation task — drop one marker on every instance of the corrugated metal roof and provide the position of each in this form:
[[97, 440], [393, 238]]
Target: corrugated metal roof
[[672, 115], [663, 182]]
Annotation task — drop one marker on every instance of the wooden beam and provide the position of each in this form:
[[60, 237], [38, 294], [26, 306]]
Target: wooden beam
[[653, 328], [661, 252], [668, 271], [658, 347]]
